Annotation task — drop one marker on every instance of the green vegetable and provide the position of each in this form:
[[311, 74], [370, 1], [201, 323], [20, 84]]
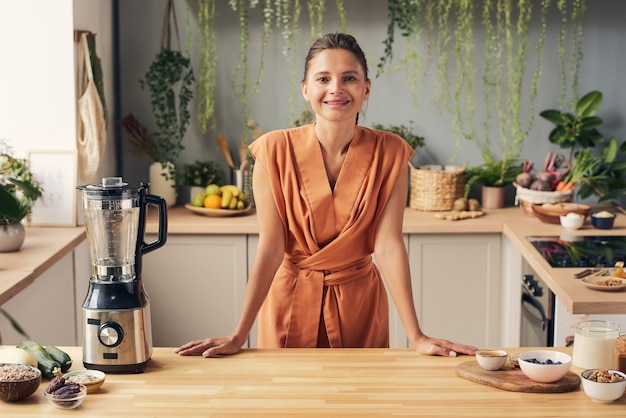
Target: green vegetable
[[48, 366], [60, 357]]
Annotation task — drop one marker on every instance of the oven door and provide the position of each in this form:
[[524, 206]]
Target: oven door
[[537, 314]]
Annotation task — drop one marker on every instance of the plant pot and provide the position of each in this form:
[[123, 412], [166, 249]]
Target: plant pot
[[11, 237], [493, 197], [160, 186]]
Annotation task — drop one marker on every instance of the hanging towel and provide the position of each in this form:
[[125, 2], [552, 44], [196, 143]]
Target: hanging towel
[[91, 135]]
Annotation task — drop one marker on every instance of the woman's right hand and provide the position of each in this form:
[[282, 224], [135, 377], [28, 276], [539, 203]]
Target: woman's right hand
[[210, 347]]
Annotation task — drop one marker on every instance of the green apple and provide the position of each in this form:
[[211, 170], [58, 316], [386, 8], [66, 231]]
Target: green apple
[[198, 199], [213, 189]]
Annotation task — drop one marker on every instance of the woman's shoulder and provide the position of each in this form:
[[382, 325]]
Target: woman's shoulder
[[385, 138]]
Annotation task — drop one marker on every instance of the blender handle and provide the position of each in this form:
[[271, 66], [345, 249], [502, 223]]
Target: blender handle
[[162, 236]]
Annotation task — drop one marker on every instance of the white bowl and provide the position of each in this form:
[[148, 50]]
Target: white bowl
[[548, 366], [92, 379], [491, 359], [572, 221], [603, 392]]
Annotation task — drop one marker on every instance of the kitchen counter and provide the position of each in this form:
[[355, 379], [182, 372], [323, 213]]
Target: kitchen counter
[[312, 382], [42, 248], [511, 222]]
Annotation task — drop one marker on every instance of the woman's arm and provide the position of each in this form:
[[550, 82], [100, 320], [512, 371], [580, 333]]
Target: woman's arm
[[392, 259], [270, 252]]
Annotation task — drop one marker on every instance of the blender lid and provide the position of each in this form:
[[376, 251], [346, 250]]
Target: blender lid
[[112, 186]]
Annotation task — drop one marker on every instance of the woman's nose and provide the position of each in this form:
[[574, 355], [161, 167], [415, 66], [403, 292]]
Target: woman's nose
[[336, 86]]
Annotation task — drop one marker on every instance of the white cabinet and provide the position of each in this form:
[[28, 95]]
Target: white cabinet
[[45, 309], [456, 286], [195, 284]]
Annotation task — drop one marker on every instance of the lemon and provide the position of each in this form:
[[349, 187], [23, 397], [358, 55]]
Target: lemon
[[213, 189]]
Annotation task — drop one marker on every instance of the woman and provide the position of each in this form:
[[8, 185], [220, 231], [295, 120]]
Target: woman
[[328, 196]]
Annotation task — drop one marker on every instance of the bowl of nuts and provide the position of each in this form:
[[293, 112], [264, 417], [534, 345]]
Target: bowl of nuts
[[545, 366], [64, 394], [603, 385]]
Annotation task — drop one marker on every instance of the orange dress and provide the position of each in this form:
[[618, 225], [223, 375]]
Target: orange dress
[[327, 271]]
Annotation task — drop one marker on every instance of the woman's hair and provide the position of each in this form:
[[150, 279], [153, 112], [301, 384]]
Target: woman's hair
[[336, 41]]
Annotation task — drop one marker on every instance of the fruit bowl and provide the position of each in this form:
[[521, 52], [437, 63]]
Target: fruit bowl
[[219, 212], [70, 402], [544, 366]]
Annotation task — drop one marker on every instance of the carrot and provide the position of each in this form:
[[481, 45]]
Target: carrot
[[565, 186], [560, 185]]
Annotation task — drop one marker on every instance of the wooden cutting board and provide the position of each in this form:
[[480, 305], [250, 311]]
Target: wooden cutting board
[[514, 380]]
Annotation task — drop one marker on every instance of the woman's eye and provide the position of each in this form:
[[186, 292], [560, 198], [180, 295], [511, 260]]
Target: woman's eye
[[349, 78], [322, 79]]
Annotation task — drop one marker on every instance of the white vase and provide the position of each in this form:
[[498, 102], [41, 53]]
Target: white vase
[[11, 237], [161, 186]]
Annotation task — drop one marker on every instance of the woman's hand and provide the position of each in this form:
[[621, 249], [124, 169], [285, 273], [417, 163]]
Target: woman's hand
[[438, 347], [210, 347]]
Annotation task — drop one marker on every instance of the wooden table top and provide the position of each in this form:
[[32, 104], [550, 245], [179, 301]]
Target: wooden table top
[[309, 382]]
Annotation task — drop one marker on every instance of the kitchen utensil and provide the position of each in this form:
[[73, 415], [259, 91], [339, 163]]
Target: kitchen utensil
[[117, 333], [491, 359], [544, 366], [514, 380], [594, 342], [243, 155], [221, 142]]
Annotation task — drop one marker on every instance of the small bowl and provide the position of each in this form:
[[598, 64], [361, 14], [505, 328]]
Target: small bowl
[[544, 366], [67, 403], [572, 221], [602, 220], [92, 379], [16, 390], [603, 392], [491, 359]]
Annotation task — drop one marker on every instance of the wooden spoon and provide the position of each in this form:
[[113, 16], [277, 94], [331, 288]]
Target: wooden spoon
[[221, 142]]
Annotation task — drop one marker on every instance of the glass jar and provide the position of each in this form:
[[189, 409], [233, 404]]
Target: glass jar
[[620, 353]]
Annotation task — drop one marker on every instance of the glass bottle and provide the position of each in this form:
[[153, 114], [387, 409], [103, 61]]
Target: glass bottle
[[620, 353]]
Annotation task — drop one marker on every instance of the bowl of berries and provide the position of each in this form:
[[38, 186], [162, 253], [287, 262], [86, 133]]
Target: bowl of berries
[[544, 366]]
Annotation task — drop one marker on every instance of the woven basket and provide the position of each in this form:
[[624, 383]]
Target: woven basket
[[526, 198], [435, 190]]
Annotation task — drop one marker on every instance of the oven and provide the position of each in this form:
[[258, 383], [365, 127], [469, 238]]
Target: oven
[[537, 312]]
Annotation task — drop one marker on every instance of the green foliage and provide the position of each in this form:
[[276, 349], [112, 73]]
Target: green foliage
[[169, 80], [492, 173], [19, 189], [405, 132], [201, 174]]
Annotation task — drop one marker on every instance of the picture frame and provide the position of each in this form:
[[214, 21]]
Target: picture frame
[[56, 172]]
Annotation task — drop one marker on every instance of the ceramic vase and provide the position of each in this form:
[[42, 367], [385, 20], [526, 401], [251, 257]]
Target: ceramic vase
[[162, 186], [493, 197], [11, 237]]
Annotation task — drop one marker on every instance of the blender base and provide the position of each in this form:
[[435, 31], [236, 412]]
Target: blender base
[[118, 368]]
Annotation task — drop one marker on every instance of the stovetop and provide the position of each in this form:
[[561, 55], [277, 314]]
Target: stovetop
[[580, 251]]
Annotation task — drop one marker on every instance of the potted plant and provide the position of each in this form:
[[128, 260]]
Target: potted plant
[[19, 190], [494, 175], [593, 167], [198, 175]]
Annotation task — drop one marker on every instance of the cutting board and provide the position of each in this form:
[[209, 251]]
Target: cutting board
[[513, 380]]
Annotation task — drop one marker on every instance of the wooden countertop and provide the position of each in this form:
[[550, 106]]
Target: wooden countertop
[[43, 246], [312, 382]]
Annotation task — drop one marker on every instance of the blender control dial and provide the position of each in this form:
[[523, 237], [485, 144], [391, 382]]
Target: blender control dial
[[110, 334]]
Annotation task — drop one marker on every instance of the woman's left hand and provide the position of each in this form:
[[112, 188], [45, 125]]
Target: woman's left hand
[[439, 347]]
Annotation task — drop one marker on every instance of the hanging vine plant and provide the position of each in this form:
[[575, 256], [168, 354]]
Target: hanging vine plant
[[207, 65]]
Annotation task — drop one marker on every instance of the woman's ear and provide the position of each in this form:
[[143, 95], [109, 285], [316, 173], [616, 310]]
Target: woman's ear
[[305, 91]]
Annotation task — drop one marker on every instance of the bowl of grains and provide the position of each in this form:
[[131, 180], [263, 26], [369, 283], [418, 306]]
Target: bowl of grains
[[92, 379], [18, 381]]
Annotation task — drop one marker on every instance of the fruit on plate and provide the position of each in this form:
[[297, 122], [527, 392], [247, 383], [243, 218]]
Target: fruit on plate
[[227, 197]]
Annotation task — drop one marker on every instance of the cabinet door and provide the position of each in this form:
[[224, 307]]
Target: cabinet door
[[456, 286], [45, 309], [195, 284]]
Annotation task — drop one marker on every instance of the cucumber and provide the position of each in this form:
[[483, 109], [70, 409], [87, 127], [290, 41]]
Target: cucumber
[[60, 357], [48, 366]]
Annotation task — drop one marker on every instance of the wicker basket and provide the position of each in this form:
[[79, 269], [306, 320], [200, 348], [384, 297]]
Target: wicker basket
[[526, 198], [435, 190]]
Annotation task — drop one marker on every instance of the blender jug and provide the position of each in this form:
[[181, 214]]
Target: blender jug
[[117, 333]]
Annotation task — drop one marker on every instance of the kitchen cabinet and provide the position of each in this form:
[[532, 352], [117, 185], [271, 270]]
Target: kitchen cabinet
[[195, 284], [456, 286], [45, 309]]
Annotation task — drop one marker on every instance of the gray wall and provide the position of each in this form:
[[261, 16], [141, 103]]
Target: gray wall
[[390, 102]]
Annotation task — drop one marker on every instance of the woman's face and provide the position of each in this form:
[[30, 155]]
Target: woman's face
[[335, 85]]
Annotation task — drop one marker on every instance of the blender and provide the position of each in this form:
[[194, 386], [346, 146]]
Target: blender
[[117, 333]]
